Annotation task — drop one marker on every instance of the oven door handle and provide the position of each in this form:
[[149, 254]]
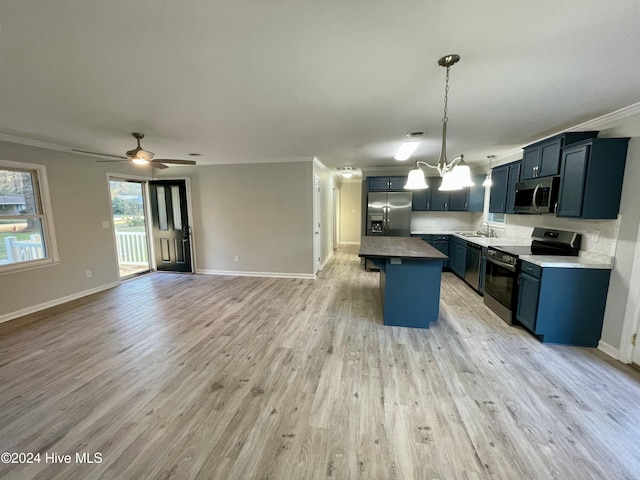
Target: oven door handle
[[511, 268]]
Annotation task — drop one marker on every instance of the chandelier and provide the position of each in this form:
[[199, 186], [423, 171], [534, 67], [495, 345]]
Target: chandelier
[[455, 174]]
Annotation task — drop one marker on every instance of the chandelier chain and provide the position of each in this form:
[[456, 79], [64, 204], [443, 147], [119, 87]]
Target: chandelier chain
[[446, 97]]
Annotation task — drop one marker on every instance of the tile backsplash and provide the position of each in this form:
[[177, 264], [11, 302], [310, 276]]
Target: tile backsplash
[[599, 237], [444, 221]]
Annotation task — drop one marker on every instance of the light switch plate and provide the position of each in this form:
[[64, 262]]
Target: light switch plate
[[106, 224]]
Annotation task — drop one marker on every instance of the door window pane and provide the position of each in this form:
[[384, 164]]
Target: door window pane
[[162, 209], [175, 203]]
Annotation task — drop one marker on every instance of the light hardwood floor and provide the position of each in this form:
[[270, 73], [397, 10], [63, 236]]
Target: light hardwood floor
[[205, 377]]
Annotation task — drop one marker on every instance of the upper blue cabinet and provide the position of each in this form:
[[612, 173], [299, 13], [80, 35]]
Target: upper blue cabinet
[[469, 199], [542, 159], [591, 180], [503, 188], [387, 184]]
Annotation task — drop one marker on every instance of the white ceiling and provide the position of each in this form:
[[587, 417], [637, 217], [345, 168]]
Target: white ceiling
[[342, 80]]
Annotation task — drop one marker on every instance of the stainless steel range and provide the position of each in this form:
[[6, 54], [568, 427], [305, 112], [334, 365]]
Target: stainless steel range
[[503, 267]]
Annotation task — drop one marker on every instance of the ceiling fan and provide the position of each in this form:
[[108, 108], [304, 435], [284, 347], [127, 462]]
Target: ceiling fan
[[140, 156]]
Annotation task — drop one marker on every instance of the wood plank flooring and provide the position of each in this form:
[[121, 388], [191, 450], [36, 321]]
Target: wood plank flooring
[[205, 377]]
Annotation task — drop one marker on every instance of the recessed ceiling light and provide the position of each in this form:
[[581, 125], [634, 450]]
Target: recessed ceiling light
[[415, 134]]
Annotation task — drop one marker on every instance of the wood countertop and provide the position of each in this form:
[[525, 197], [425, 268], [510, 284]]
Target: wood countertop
[[398, 247]]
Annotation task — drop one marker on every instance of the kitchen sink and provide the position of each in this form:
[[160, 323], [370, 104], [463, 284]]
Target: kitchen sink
[[473, 234]]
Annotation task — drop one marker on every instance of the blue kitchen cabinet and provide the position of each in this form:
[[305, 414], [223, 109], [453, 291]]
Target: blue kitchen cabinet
[[503, 188], [498, 193], [439, 200], [542, 159], [592, 176], [563, 305], [440, 242], [469, 199], [528, 294], [513, 179], [386, 184], [420, 200], [458, 256]]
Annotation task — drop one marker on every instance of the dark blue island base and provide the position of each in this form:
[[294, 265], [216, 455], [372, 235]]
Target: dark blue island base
[[410, 275]]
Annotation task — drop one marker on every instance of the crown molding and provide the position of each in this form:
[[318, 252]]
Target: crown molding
[[599, 123], [33, 143], [607, 119]]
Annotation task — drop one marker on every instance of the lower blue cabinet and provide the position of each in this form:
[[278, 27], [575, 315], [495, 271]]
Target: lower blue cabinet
[[563, 305], [458, 256]]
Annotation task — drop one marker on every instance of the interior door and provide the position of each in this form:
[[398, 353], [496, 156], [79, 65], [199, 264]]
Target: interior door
[[171, 232]]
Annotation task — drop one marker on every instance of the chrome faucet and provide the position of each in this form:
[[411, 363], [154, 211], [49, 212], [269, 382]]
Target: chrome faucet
[[487, 232]]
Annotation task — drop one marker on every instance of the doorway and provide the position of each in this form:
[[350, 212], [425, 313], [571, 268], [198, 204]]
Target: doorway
[[170, 225], [130, 224], [316, 224]]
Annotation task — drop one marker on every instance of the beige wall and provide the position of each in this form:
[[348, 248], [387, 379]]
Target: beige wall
[[80, 202], [350, 212], [261, 213]]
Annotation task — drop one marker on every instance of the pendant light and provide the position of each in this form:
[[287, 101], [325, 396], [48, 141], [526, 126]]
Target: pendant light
[[487, 181], [462, 175]]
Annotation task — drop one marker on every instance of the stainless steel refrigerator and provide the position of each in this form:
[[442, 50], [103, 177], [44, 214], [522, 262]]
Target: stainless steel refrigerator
[[389, 214]]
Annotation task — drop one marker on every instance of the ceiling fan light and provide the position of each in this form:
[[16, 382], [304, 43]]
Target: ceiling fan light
[[140, 161], [415, 180]]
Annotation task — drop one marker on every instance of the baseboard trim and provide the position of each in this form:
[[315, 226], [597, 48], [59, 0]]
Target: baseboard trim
[[609, 350], [326, 260], [234, 273], [58, 301], [348, 243]]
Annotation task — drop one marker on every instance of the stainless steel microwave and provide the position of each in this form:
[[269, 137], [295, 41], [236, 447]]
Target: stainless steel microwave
[[538, 195]]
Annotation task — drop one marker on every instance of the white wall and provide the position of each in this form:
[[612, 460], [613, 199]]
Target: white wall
[[350, 212]]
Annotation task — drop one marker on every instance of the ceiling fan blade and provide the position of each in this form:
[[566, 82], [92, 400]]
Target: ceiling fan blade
[[158, 165], [111, 161], [174, 161], [98, 153]]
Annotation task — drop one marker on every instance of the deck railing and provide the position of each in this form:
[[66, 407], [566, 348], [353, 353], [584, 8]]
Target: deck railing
[[25, 250], [132, 248]]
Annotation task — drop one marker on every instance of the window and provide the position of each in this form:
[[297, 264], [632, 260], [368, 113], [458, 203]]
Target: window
[[496, 218], [26, 231]]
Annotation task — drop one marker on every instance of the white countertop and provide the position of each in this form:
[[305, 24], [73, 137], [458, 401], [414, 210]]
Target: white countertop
[[558, 261], [482, 241], [495, 241]]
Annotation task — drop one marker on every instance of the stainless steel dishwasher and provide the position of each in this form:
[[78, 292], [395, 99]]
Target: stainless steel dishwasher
[[472, 266]]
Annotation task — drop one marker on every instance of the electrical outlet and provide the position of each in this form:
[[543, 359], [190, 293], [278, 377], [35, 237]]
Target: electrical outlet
[[89, 274], [236, 259], [106, 224]]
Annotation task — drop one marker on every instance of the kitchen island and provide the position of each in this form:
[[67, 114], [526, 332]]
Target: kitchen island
[[410, 275]]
